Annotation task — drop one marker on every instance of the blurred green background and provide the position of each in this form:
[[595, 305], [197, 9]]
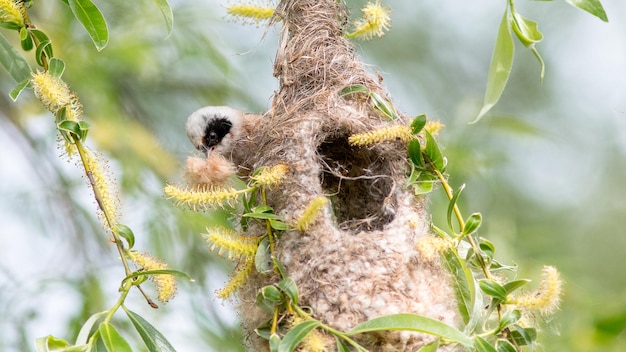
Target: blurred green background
[[545, 168]]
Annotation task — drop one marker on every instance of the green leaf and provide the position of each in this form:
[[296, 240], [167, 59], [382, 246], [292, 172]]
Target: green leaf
[[262, 261], [594, 7], [113, 341], [482, 345], [412, 322], [274, 343], [433, 152], [523, 336], [431, 347], [355, 88], [472, 224], [278, 225], [15, 92], [341, 347], [500, 67], [509, 318], [92, 19], [126, 233], [505, 346], [514, 285], [463, 283], [154, 340], [265, 216], [50, 343], [25, 40], [43, 52], [269, 297], [487, 248], [383, 106], [85, 330], [13, 61], [455, 198], [296, 335], [288, 286], [526, 30], [493, 289], [418, 123], [70, 127], [166, 10], [263, 331], [56, 67], [528, 33], [415, 153]]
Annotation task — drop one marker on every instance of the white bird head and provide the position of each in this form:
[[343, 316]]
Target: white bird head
[[213, 128]]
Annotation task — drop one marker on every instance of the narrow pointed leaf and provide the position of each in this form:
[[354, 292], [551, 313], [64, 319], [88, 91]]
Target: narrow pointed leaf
[[509, 318], [594, 7], [493, 289], [113, 341], [505, 346], [56, 67], [15, 92], [13, 61], [455, 198], [340, 345], [526, 30], [92, 19], [418, 123], [85, 330], [355, 88], [412, 322], [415, 153], [472, 224], [126, 233], [168, 16], [481, 345], [433, 152], [514, 285], [500, 68], [464, 287], [49, 343], [154, 340], [296, 335], [431, 347], [288, 286]]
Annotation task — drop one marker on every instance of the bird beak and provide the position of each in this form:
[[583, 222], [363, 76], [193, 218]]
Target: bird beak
[[206, 151]]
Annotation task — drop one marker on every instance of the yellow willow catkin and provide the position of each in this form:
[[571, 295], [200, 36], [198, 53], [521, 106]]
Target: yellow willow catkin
[[310, 213], [547, 297], [433, 127], [105, 190], [238, 278], [10, 12], [314, 340], [375, 22], [205, 199], [53, 93], [430, 247], [231, 242], [383, 134], [272, 176], [249, 13], [165, 284]]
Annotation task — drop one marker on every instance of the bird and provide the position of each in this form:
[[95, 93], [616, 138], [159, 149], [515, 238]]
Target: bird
[[214, 128]]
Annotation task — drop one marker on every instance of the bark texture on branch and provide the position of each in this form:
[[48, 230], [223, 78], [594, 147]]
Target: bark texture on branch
[[359, 259]]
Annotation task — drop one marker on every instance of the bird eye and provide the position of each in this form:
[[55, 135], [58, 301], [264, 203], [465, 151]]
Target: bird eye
[[212, 136]]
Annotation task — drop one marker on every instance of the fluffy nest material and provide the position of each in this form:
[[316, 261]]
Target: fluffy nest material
[[359, 259]]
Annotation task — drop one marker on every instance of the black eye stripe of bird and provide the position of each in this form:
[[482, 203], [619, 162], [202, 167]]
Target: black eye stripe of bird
[[213, 128]]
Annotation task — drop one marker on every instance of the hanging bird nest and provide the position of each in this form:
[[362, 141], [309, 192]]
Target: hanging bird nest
[[358, 260]]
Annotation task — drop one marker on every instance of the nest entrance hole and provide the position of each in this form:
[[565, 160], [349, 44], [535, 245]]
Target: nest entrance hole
[[358, 183]]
